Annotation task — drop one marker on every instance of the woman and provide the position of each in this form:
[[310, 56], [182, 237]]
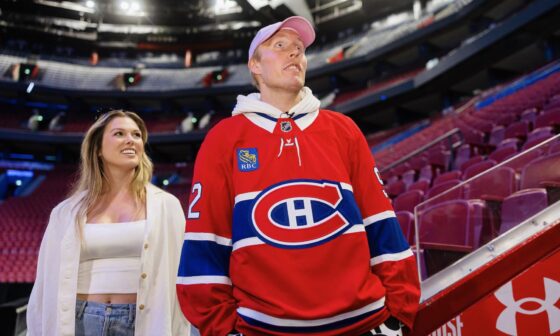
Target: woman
[[108, 260]]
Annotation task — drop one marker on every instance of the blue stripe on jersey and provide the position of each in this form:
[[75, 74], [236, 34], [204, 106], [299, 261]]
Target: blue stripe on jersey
[[266, 116], [385, 237], [242, 227], [205, 258], [311, 329]]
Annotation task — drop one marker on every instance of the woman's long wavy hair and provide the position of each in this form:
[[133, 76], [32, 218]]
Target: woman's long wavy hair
[[92, 178]]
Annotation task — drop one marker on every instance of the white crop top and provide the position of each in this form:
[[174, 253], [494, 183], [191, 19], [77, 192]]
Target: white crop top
[[110, 258]]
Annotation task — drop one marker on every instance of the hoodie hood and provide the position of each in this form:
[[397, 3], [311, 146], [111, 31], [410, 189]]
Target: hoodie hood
[[252, 104]]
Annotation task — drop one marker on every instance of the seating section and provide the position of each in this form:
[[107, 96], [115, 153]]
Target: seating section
[[498, 170], [23, 221], [454, 225]]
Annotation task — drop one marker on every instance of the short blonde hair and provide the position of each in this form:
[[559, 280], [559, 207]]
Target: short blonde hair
[[92, 178], [256, 57]]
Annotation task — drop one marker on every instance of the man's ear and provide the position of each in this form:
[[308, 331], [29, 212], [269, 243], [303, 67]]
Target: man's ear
[[254, 66]]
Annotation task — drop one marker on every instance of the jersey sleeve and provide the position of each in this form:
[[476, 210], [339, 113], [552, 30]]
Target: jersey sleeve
[[203, 284], [391, 258]]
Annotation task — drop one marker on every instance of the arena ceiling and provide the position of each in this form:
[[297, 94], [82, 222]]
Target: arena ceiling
[[173, 25]]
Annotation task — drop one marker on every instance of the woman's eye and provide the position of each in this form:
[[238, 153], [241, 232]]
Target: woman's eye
[[119, 133]]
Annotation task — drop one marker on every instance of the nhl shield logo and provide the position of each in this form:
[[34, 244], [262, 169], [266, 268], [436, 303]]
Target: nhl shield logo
[[285, 126], [247, 159]]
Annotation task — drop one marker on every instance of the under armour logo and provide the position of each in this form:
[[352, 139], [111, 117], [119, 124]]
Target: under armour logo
[[506, 321]]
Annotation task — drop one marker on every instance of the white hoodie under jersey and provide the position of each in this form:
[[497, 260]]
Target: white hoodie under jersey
[[252, 103], [252, 106]]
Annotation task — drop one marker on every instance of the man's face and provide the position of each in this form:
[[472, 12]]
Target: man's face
[[280, 62]]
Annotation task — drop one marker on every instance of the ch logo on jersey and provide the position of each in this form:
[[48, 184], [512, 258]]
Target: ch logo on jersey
[[506, 322], [298, 214], [247, 159]]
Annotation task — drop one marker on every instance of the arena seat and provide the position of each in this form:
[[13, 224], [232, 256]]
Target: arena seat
[[452, 226], [478, 168], [422, 184], [548, 118], [518, 129], [444, 177], [494, 185], [502, 154], [521, 205], [408, 200], [472, 161], [445, 187]]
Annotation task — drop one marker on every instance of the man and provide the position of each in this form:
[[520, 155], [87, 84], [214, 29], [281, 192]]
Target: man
[[289, 230]]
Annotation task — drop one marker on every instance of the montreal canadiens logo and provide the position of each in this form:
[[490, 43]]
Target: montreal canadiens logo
[[299, 214]]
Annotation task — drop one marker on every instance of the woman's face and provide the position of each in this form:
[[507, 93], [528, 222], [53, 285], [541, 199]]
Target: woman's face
[[122, 145]]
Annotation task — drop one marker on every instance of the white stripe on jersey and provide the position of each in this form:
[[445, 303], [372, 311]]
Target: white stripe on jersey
[[346, 186], [281, 322], [208, 237], [203, 279], [256, 241], [247, 242], [380, 216], [251, 195], [246, 196], [390, 257]]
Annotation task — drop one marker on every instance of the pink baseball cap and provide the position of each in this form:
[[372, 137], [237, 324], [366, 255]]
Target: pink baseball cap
[[297, 23]]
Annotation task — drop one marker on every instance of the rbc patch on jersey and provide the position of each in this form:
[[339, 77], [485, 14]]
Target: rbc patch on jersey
[[303, 213], [247, 159]]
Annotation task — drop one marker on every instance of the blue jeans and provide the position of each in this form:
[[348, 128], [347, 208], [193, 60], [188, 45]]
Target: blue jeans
[[99, 319]]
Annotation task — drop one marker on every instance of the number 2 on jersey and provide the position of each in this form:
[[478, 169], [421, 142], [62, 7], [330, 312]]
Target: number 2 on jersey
[[197, 188]]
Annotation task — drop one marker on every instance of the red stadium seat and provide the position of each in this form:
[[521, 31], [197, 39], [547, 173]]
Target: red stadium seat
[[548, 118], [443, 188], [408, 177], [502, 154], [478, 168], [421, 184], [408, 200], [529, 115], [452, 225], [518, 129], [396, 188], [494, 185], [452, 175], [521, 205], [543, 173], [497, 135], [472, 161]]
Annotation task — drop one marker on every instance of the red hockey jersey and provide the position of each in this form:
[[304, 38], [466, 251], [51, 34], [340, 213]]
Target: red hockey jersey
[[289, 232]]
